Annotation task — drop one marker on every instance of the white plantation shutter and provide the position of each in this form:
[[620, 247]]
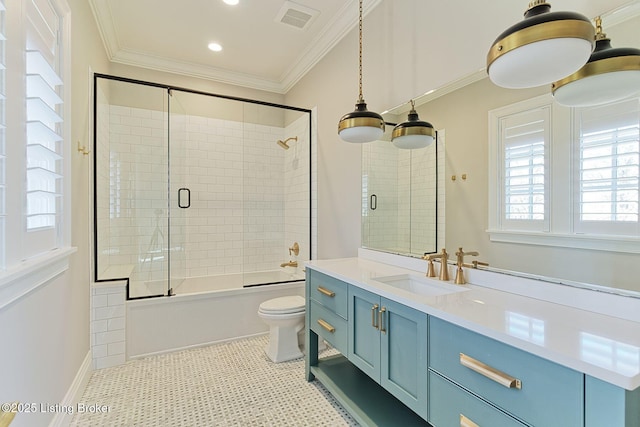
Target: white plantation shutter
[[607, 166], [524, 141], [44, 114]]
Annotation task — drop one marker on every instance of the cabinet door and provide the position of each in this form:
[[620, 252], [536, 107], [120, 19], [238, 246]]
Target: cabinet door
[[364, 336], [404, 367], [607, 404]]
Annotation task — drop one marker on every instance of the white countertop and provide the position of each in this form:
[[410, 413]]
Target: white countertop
[[599, 345]]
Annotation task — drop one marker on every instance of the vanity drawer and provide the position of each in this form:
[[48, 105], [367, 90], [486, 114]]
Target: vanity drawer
[[535, 390], [330, 292], [329, 326], [451, 406]]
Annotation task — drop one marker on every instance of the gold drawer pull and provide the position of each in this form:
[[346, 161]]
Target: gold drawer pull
[[373, 316], [327, 326], [381, 320], [466, 422], [489, 372], [327, 292]]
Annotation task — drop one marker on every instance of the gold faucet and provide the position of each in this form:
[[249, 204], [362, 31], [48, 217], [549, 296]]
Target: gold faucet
[[289, 264], [459, 280], [295, 249], [444, 269]]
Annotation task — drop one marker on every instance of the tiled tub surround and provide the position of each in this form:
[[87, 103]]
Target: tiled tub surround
[[108, 323], [249, 197], [589, 331]]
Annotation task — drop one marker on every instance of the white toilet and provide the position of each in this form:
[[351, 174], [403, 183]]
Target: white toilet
[[285, 317]]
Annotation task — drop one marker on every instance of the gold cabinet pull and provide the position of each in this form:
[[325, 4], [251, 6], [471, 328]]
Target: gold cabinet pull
[[466, 422], [381, 319], [373, 316], [489, 372], [326, 292], [326, 325]]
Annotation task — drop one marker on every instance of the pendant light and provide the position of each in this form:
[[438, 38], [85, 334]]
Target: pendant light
[[610, 75], [361, 125], [414, 133], [542, 48]]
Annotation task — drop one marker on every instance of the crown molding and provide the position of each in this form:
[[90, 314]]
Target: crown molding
[[326, 40], [611, 18], [104, 19], [142, 59]]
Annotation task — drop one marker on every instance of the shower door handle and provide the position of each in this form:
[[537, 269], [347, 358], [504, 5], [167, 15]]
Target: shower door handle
[[188, 204], [374, 202]]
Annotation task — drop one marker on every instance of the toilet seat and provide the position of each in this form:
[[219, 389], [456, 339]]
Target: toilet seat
[[283, 305]]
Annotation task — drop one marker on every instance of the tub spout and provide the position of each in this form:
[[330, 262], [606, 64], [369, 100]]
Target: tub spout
[[289, 264]]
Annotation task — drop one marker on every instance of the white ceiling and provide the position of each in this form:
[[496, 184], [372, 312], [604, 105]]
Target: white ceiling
[[261, 53]]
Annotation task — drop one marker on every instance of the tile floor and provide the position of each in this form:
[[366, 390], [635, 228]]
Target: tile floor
[[228, 384]]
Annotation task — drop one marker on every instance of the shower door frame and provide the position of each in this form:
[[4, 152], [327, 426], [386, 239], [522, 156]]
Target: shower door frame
[[170, 88]]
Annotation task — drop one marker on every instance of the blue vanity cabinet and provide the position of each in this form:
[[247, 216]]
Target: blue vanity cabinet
[[609, 405], [529, 388], [388, 342], [327, 309]]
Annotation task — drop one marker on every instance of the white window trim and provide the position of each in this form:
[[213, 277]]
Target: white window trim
[[20, 280], [561, 206]]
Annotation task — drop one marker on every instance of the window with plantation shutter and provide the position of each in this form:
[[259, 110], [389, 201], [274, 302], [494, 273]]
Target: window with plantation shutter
[[524, 139], [34, 144], [565, 177], [607, 168], [520, 138]]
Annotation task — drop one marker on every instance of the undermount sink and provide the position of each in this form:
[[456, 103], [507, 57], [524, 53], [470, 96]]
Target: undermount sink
[[420, 285]]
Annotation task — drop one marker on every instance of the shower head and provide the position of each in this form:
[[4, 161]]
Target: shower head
[[284, 144]]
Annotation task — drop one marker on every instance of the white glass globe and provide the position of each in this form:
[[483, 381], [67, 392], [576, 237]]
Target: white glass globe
[[412, 142], [361, 134], [524, 67], [599, 89]]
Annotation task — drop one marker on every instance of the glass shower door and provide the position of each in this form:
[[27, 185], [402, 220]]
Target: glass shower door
[[132, 230]]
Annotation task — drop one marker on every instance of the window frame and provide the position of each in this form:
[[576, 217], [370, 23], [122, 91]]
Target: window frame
[[24, 271]]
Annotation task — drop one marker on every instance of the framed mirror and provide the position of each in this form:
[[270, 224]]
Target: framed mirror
[[462, 109]]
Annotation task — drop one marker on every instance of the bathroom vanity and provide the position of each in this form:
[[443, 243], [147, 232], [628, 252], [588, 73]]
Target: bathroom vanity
[[501, 351]]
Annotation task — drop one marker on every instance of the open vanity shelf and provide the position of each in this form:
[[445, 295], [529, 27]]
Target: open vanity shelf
[[363, 398]]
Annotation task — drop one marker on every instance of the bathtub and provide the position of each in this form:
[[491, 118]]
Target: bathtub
[[205, 310], [235, 281]]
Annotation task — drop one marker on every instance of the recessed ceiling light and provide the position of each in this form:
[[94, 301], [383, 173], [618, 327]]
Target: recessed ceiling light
[[215, 47], [232, 2]]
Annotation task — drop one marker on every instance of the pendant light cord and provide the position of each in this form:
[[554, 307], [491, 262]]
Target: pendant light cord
[[360, 100]]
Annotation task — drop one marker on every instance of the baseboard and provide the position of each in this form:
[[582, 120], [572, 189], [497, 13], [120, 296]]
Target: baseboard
[[188, 347], [71, 399]]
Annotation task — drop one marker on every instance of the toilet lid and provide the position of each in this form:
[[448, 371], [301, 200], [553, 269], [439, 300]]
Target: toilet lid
[[283, 305]]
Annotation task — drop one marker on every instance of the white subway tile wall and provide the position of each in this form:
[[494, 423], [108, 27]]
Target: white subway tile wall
[[249, 197], [108, 325]]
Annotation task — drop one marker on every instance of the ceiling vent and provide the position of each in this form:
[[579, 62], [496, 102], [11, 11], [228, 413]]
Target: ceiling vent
[[296, 15]]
